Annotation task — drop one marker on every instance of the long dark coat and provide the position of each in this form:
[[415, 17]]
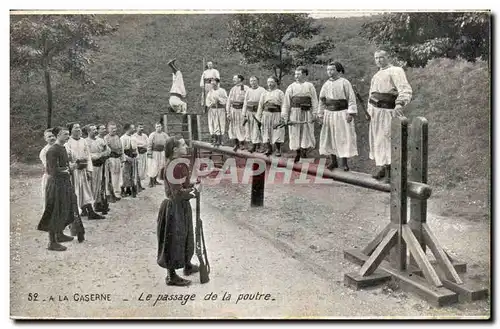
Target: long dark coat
[[175, 222]]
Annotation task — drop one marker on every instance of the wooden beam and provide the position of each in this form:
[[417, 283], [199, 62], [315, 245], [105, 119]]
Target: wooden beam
[[380, 253], [415, 189], [375, 242], [420, 257], [399, 195], [418, 152], [438, 296], [442, 259]]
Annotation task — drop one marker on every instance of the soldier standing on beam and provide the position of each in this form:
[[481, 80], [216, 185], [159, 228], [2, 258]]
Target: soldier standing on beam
[[250, 107], [234, 110], [269, 113], [301, 105], [206, 80], [338, 133], [216, 103], [390, 92]]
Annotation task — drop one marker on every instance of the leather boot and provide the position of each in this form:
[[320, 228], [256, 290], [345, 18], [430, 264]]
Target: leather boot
[[155, 180], [53, 244], [214, 140], [84, 212], [92, 214], [303, 153], [297, 156], [344, 163], [333, 162], [253, 148], [278, 149], [379, 173], [134, 192], [236, 145], [269, 149], [151, 182], [61, 237], [388, 174], [123, 194], [171, 63]]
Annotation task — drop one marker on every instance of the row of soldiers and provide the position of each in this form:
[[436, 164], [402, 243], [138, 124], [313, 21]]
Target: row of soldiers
[[103, 167], [258, 116]]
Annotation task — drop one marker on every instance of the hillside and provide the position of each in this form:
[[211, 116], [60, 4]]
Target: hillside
[[133, 80]]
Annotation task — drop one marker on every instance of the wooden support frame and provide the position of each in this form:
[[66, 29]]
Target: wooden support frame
[[442, 284], [386, 256]]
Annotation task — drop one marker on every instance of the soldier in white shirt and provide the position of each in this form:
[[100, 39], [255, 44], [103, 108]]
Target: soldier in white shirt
[[178, 90], [206, 80], [50, 139], [129, 169], [234, 111], [141, 140], [216, 104], [250, 106], [390, 92]]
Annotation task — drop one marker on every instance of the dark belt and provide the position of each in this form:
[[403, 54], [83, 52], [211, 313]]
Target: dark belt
[[99, 162], [81, 164], [142, 150], [272, 108], [115, 155], [303, 102], [130, 153], [237, 105], [217, 106], [252, 108], [336, 104], [158, 148], [383, 100]]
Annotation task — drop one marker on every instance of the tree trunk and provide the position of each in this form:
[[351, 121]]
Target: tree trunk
[[49, 95]]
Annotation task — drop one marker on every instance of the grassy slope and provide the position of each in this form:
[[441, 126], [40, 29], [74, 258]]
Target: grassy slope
[[133, 81]]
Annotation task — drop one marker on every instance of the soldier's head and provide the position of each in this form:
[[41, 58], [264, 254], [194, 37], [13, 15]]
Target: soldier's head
[[333, 69], [238, 79], [158, 127], [272, 82], [101, 130], [74, 130], [140, 128], [61, 134], [215, 83], [49, 136], [381, 58], [301, 73], [129, 128], [91, 130], [112, 128], [254, 82], [210, 65]]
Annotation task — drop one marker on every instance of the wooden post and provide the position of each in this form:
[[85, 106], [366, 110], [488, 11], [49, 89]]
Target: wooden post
[[418, 150], [399, 163], [258, 183]]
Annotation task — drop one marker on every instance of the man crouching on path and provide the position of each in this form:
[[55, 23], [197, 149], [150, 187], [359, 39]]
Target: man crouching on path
[[175, 218]]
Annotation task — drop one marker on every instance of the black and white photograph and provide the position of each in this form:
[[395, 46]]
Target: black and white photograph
[[250, 164]]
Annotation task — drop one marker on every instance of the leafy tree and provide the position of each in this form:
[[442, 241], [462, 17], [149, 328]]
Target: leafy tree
[[56, 44], [416, 38], [279, 41]]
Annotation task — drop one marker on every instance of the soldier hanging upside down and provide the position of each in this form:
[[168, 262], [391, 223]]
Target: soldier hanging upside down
[[178, 91]]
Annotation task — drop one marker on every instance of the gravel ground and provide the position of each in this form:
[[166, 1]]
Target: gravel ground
[[292, 249]]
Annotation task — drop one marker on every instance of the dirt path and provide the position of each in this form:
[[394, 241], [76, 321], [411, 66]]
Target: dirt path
[[290, 249]]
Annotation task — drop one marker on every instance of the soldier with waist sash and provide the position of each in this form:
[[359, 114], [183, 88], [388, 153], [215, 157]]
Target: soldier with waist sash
[[156, 158], [206, 80], [337, 109], [250, 107], [234, 110], [99, 153], [113, 164], [79, 155], [216, 104], [390, 92], [269, 114], [300, 104], [129, 170], [141, 140]]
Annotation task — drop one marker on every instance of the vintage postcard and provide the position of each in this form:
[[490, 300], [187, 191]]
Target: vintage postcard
[[250, 165]]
